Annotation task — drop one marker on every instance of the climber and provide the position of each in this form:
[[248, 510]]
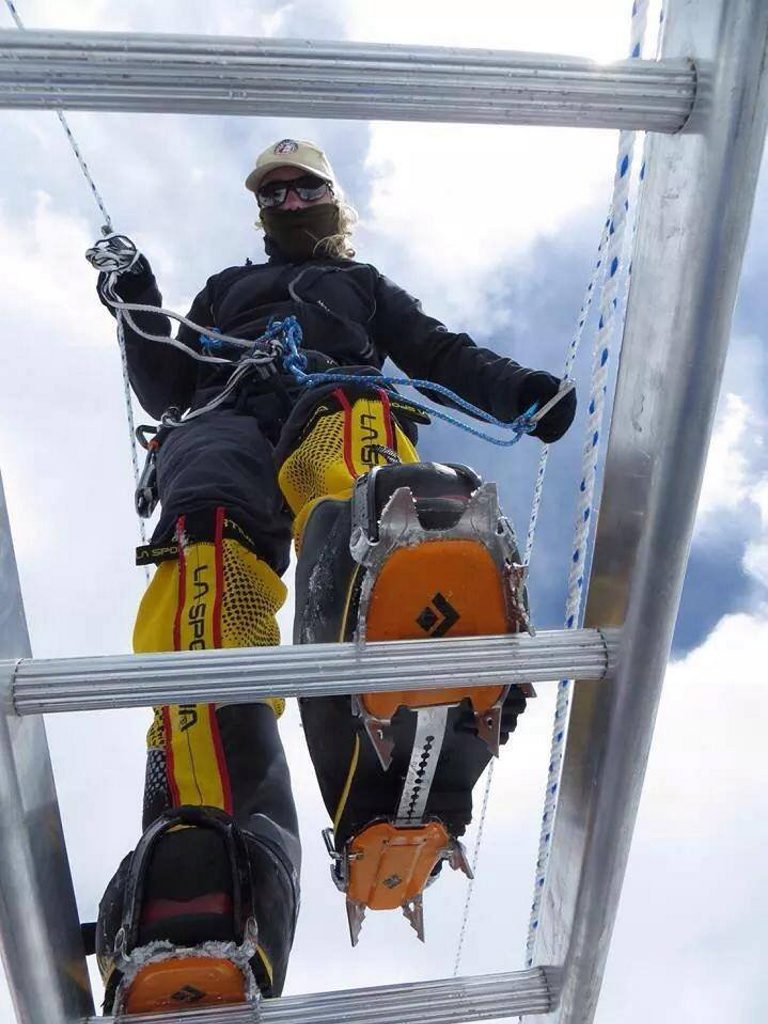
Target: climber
[[203, 911]]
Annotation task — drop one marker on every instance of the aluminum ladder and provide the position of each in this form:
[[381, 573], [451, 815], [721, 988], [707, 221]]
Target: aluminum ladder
[[704, 101]]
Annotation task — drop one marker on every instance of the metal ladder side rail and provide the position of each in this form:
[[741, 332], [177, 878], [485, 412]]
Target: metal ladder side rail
[[271, 77], [694, 216], [39, 926], [239, 675]]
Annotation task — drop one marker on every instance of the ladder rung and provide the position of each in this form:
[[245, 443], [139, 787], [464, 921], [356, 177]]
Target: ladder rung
[[450, 1001], [311, 78], [312, 670]]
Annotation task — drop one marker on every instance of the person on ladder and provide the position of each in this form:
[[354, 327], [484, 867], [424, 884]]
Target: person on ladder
[[203, 911]]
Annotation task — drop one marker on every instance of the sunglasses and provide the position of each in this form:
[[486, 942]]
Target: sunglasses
[[308, 189]]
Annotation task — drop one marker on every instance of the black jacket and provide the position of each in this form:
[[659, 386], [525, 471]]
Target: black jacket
[[347, 310]]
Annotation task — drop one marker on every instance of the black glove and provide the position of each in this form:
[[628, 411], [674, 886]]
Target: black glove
[[539, 387], [130, 286]]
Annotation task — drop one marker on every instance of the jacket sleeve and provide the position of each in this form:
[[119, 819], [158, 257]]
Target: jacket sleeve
[[161, 375], [424, 347]]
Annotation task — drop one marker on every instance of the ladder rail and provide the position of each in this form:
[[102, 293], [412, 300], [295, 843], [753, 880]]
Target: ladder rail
[[693, 222], [39, 930], [318, 79]]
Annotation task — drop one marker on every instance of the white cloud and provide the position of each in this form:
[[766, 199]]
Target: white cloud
[[599, 30], [689, 941], [471, 199], [726, 481], [756, 555], [732, 484], [36, 267], [180, 16]]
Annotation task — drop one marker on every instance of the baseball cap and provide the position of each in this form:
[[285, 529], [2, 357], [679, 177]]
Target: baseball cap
[[292, 153]]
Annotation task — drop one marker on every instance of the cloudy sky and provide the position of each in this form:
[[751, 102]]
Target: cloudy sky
[[495, 229]]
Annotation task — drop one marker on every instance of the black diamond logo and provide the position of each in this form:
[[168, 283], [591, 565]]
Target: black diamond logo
[[442, 620], [427, 619], [188, 994]]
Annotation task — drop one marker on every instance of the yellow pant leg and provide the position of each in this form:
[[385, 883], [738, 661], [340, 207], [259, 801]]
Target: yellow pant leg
[[213, 595], [344, 440]]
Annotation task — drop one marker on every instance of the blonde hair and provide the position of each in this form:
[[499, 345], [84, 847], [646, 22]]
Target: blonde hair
[[338, 246]]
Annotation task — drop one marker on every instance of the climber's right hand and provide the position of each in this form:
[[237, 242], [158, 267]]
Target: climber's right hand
[[538, 388]]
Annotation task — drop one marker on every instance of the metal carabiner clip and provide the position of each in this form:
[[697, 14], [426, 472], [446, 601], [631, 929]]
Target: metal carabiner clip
[[566, 386], [146, 496]]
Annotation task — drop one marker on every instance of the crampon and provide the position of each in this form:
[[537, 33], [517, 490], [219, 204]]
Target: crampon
[[198, 951], [433, 557]]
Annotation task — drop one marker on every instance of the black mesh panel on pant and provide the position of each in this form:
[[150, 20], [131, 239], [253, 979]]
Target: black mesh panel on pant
[[247, 613]]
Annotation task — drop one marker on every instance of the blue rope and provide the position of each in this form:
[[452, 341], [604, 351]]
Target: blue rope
[[210, 345], [295, 362], [275, 328]]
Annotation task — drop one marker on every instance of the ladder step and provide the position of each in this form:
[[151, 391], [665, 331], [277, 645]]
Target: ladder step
[[449, 1001], [293, 77], [44, 686]]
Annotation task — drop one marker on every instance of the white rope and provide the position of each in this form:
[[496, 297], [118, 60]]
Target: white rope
[[473, 866], [75, 148], [570, 359], [106, 229], [530, 537], [131, 427], [126, 308], [605, 330], [532, 524], [609, 251], [256, 360]]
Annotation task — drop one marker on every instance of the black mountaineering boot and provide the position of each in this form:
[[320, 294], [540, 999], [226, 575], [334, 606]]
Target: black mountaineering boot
[[177, 927]]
